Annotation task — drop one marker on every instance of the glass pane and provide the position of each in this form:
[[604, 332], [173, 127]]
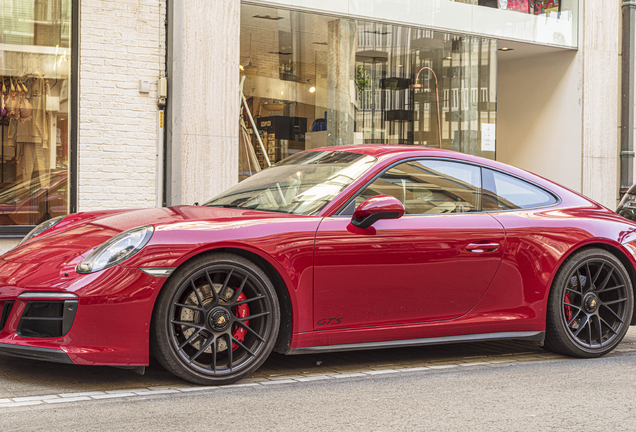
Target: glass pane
[[312, 81], [429, 186], [34, 117], [533, 7], [503, 192], [301, 184]]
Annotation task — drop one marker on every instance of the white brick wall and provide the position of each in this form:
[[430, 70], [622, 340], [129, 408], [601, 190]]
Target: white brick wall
[[121, 42]]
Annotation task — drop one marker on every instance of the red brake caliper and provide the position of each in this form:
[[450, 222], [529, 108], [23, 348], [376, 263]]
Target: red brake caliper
[[242, 311], [568, 309]]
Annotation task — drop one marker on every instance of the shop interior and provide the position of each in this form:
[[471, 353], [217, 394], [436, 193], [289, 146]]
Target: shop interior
[[311, 81], [34, 112]]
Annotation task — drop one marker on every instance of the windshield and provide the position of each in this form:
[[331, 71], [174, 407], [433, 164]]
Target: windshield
[[301, 184]]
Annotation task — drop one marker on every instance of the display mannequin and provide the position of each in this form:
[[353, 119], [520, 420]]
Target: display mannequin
[[32, 138]]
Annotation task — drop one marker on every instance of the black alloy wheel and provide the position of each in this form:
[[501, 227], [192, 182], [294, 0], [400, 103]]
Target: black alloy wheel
[[590, 306], [216, 320]]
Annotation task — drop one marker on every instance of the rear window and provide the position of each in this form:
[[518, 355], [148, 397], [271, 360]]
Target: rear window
[[504, 192]]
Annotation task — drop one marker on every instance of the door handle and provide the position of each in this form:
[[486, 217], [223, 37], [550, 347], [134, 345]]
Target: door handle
[[482, 247]]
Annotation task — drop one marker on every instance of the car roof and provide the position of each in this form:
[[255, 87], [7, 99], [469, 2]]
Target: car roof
[[393, 152], [380, 149]]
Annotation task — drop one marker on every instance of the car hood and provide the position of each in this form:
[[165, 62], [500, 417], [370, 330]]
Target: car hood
[[77, 234]]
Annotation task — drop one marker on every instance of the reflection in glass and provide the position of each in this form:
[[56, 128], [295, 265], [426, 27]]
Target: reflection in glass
[[301, 184], [429, 187], [34, 113], [533, 7], [313, 81]]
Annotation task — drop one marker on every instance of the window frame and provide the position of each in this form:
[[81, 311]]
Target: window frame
[[344, 207]]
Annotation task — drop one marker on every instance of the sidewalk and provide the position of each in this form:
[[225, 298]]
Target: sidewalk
[[28, 378]]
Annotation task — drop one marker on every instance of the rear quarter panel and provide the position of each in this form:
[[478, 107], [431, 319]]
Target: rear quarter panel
[[537, 244]]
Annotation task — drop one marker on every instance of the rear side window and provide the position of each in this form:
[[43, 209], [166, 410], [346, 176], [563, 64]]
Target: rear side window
[[504, 192]]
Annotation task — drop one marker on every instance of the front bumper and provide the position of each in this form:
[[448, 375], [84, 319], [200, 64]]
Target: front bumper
[[35, 353], [110, 326]]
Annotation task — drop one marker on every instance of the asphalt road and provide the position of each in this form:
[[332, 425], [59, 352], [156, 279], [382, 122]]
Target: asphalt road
[[487, 386], [559, 395]]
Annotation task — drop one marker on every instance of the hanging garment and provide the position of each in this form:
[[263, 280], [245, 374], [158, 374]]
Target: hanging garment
[[36, 130], [25, 109], [12, 105], [3, 111]]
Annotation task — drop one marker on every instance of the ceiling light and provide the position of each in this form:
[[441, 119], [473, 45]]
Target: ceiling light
[[506, 49], [267, 17], [241, 67], [449, 58], [250, 69], [312, 89]]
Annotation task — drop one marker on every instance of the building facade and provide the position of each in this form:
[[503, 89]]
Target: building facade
[[86, 126]]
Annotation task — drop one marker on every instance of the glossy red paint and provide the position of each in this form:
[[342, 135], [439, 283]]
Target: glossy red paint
[[422, 258], [406, 278], [379, 204]]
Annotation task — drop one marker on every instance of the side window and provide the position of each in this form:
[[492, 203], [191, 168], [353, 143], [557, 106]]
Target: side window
[[504, 192], [429, 186]]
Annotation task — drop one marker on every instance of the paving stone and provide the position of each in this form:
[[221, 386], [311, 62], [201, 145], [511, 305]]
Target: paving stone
[[24, 378]]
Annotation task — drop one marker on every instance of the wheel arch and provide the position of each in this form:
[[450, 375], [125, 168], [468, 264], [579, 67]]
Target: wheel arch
[[614, 250], [283, 340], [285, 331]]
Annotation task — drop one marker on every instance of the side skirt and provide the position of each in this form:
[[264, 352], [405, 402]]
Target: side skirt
[[537, 336]]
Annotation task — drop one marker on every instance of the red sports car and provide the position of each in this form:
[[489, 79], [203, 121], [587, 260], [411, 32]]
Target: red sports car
[[334, 249]]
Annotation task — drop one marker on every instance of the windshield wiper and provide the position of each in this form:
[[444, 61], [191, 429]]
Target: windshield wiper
[[224, 205]]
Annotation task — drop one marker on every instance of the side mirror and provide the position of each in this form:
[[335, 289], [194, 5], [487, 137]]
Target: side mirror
[[373, 209]]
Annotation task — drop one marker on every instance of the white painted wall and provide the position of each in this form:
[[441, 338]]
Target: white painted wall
[[539, 107], [121, 42], [558, 113]]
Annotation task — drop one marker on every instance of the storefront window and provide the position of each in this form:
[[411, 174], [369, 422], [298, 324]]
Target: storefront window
[[35, 49], [534, 7], [312, 81]]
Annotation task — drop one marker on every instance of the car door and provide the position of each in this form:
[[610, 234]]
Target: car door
[[432, 264]]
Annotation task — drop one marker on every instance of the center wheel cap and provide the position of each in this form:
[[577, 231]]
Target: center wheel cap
[[219, 319], [591, 303]]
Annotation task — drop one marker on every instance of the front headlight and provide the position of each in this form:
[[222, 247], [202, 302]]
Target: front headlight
[[116, 250], [41, 228]]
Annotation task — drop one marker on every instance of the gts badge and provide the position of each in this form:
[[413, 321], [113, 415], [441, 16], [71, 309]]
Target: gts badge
[[327, 321]]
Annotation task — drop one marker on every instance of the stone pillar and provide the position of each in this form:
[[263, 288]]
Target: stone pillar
[[599, 48], [203, 99], [340, 74]]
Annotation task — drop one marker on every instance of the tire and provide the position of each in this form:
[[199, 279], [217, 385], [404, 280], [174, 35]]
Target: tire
[[590, 305], [216, 320]]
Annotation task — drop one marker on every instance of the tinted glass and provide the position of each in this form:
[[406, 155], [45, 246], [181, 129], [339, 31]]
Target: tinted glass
[[504, 192], [429, 186], [301, 184]]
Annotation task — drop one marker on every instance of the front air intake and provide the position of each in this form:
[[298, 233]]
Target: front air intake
[[6, 310], [47, 319]]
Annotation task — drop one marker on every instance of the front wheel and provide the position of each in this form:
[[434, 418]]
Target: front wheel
[[216, 320], [590, 305]]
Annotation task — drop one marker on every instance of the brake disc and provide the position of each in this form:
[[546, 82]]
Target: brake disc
[[196, 316]]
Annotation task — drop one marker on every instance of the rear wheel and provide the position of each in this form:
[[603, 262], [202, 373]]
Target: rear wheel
[[216, 320], [590, 305]]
